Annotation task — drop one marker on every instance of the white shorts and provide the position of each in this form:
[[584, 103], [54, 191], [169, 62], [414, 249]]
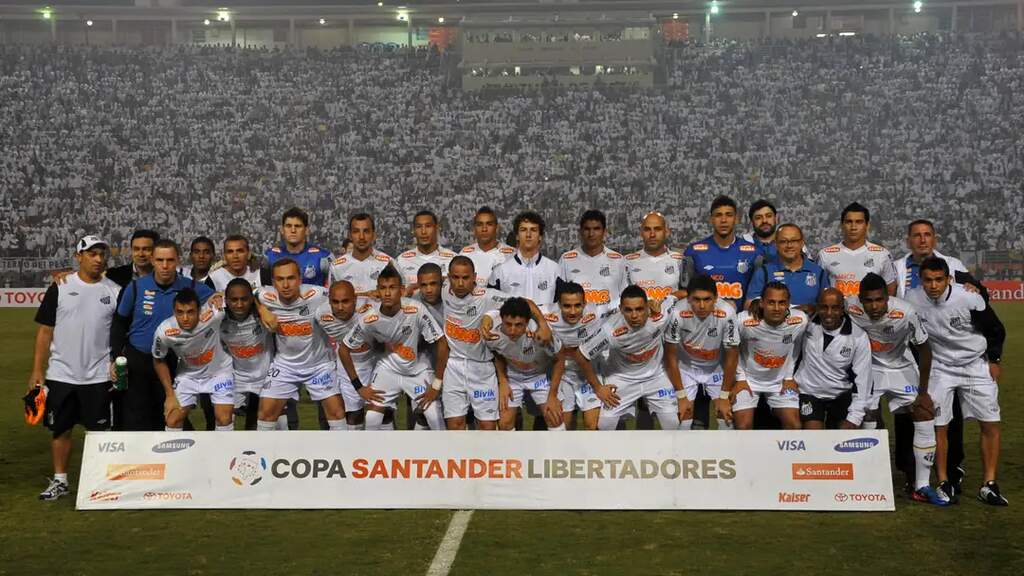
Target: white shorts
[[539, 390], [320, 382], [899, 386], [353, 401], [469, 383], [220, 387], [978, 392], [391, 385], [779, 398], [247, 384], [658, 391], [577, 388], [694, 378]]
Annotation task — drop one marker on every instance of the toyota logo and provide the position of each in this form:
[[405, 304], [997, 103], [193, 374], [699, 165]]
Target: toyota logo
[[841, 497]]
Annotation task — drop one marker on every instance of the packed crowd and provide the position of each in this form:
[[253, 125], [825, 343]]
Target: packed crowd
[[213, 141]]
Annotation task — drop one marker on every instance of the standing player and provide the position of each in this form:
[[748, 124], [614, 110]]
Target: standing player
[[848, 261], [893, 326], [522, 365], [488, 252], [656, 269], [424, 230], [968, 345], [704, 329], [729, 260], [768, 350], [640, 364], [835, 364], [73, 341], [528, 273], [203, 365], [363, 262], [338, 316], [313, 261], [397, 323], [600, 270], [303, 355], [236, 264], [573, 321], [250, 346]]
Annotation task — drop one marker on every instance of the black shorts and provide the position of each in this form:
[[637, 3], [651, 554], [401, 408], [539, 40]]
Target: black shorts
[[829, 410], [70, 404]]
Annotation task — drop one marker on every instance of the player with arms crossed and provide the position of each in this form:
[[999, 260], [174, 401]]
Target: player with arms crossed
[[203, 365]]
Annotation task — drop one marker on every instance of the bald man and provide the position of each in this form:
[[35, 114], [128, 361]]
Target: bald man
[[337, 317]]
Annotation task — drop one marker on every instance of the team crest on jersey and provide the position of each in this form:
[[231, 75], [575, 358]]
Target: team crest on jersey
[[543, 285], [846, 352], [896, 314], [889, 331], [720, 313], [409, 309], [794, 320], [105, 300], [471, 311], [869, 262], [605, 271], [304, 311], [742, 265], [670, 269], [713, 332], [620, 331], [811, 280], [327, 318], [751, 322], [406, 331], [172, 332], [956, 322], [787, 339], [370, 319], [570, 255], [309, 271], [588, 317], [206, 315]]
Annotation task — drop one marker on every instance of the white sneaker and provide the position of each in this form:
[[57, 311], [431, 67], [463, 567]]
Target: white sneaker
[[55, 490]]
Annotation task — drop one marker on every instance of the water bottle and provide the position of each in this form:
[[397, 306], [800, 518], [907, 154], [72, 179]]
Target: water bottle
[[120, 373]]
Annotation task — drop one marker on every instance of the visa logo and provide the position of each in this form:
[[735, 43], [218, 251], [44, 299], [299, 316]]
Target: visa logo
[[791, 445], [108, 447]]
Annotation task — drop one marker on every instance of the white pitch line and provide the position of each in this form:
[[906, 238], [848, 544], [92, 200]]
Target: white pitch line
[[449, 547]]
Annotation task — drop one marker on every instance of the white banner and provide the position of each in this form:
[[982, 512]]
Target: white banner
[[649, 470], [21, 297]]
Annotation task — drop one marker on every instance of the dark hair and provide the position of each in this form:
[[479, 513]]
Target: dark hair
[[201, 240], [143, 233], [935, 264], [569, 288], [281, 262], [295, 212], [236, 238], [791, 225], [871, 282], [425, 213], [775, 285], [485, 210], [238, 282], [633, 291], [723, 200], [516, 307], [462, 259], [921, 221], [702, 282], [361, 216], [594, 216], [855, 207], [187, 296], [759, 204], [167, 243], [389, 271], [430, 268], [528, 216]]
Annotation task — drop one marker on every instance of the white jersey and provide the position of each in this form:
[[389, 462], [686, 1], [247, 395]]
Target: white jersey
[[526, 359], [484, 262], [80, 314], [535, 278], [199, 351], [659, 276], [222, 276], [903, 275], [956, 341], [337, 329], [410, 261], [890, 335], [574, 335], [701, 341], [633, 355], [768, 353], [362, 274], [462, 321], [828, 370], [436, 310], [251, 348], [846, 268], [300, 341], [400, 334], [603, 276]]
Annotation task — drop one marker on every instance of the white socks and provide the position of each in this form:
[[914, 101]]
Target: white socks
[[264, 426], [559, 428], [669, 420], [686, 424], [225, 428], [608, 422], [169, 429], [924, 452], [724, 425], [869, 425], [374, 420], [282, 423], [337, 425], [353, 427], [61, 477]]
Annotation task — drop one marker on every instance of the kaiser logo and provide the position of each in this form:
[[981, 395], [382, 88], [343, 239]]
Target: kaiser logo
[[856, 445], [794, 497], [823, 471], [791, 445], [110, 447], [136, 471], [104, 496], [247, 469], [177, 445]]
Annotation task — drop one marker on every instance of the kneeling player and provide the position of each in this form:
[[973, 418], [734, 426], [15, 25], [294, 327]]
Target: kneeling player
[[768, 349], [203, 365], [522, 365], [572, 321], [640, 364]]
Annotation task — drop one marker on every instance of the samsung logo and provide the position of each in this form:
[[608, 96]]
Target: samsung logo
[[856, 445], [173, 445]]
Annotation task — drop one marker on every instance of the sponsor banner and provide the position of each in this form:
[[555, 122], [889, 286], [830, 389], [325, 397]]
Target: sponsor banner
[[650, 470], [1005, 290], [21, 297]]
